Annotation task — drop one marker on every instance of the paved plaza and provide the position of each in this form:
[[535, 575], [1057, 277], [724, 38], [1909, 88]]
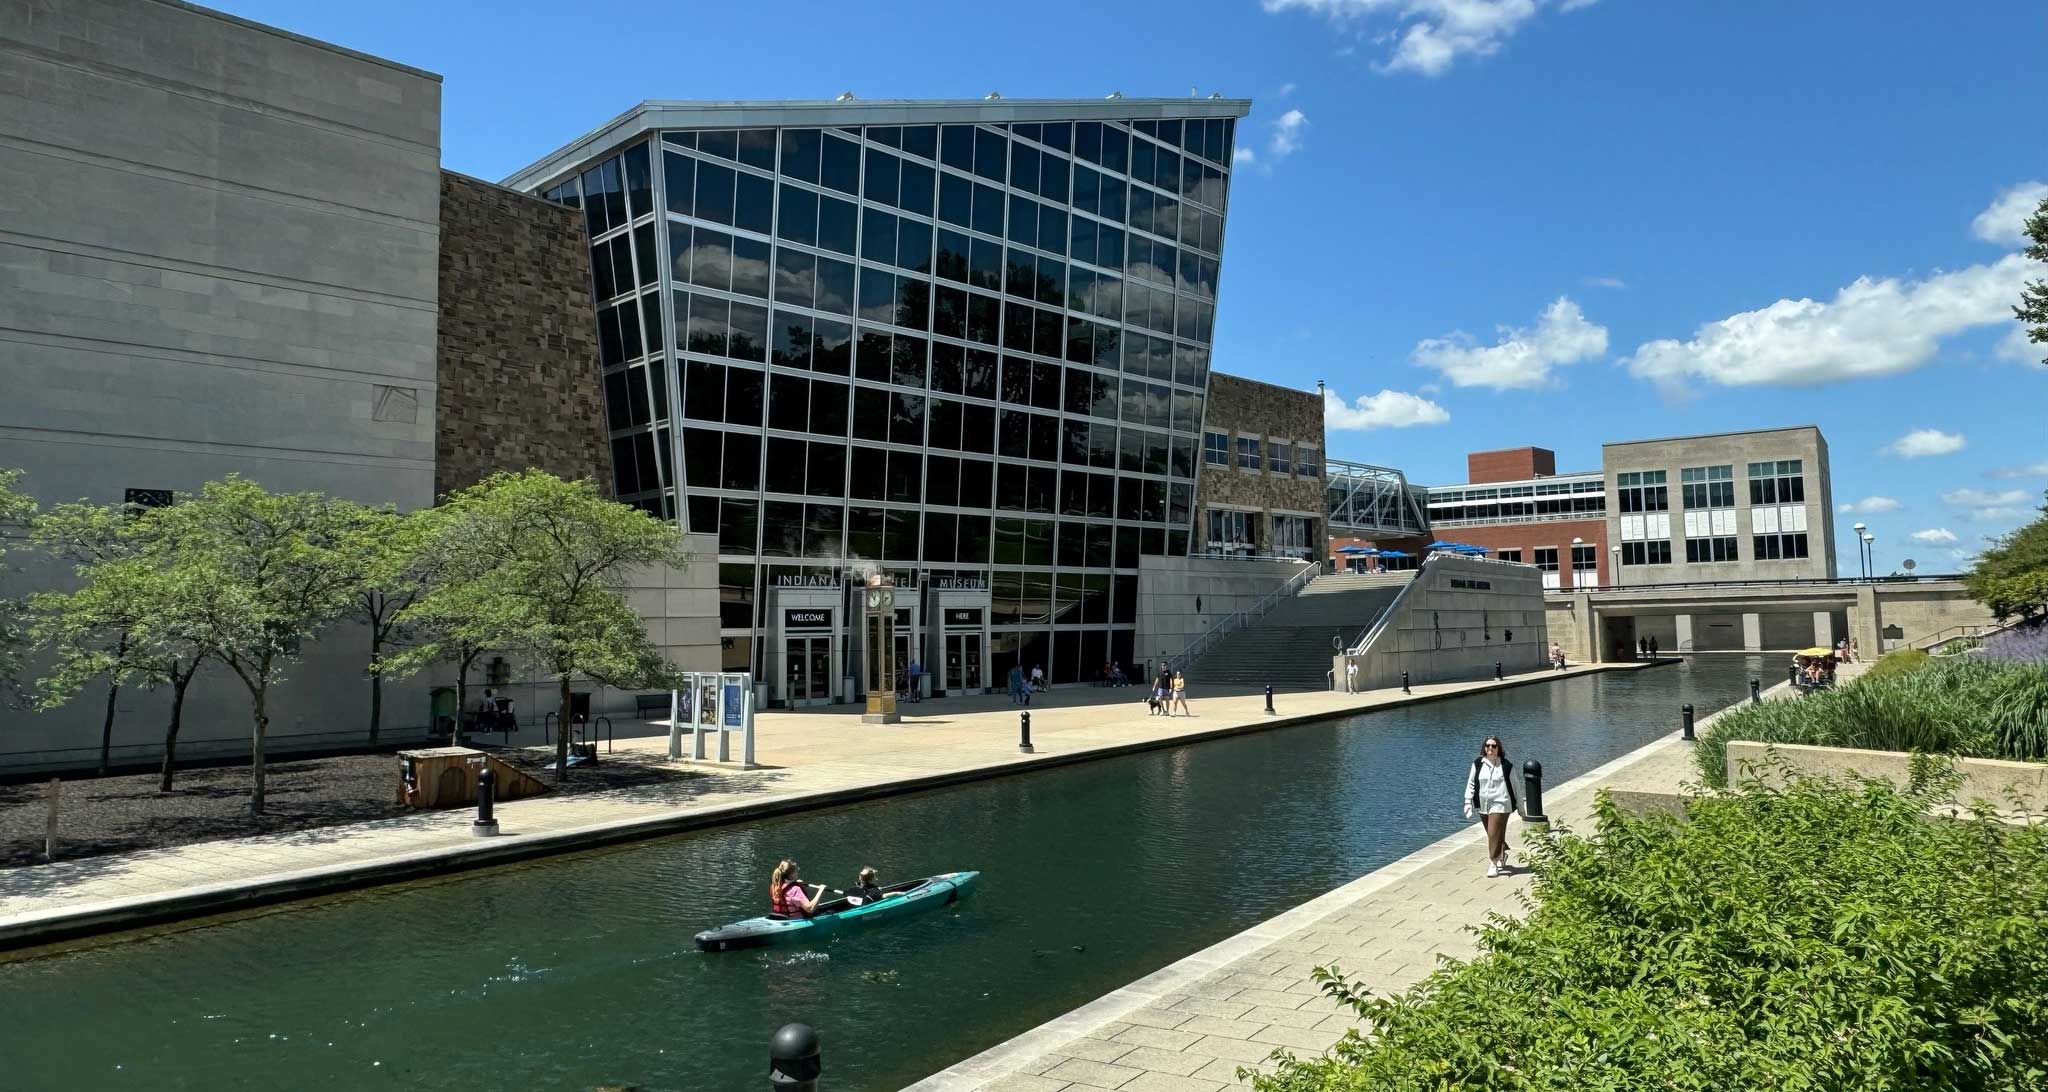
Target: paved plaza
[[809, 759]]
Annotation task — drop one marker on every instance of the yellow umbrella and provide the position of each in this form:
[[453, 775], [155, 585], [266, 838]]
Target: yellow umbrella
[[1818, 651]]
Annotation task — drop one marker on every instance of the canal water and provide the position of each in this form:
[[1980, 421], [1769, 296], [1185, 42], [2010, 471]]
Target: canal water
[[578, 972]]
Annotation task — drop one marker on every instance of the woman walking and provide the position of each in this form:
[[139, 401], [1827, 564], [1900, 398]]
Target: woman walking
[[1490, 791], [1180, 693]]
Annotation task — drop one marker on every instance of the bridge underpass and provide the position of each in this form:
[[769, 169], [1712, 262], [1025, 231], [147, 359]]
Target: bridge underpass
[[1605, 624]]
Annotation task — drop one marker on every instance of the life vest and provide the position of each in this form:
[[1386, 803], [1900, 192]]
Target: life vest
[[782, 904]]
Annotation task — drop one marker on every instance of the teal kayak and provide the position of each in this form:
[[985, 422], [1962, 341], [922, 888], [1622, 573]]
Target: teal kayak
[[897, 901]]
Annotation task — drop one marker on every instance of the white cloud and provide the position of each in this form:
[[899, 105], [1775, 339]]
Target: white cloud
[[1284, 140], [1966, 558], [1429, 36], [1933, 536], [1521, 358], [1871, 506], [1387, 409], [1985, 506], [2015, 346], [2030, 470], [1605, 282], [1979, 498], [1870, 328], [2003, 221], [1286, 89], [1996, 512], [1922, 442]]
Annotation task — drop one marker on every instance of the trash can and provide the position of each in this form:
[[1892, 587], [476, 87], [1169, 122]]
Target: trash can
[[441, 701]]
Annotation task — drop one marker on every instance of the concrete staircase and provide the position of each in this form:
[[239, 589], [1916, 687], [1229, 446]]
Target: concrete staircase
[[1290, 647]]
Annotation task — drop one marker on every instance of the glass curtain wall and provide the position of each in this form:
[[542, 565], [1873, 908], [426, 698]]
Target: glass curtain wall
[[967, 350]]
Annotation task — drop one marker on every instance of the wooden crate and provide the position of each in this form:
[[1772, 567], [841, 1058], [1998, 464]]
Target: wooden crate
[[445, 777]]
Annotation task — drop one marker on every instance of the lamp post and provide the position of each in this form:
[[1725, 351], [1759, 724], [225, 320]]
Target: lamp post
[[1869, 555], [1614, 566], [1859, 529], [1576, 543]]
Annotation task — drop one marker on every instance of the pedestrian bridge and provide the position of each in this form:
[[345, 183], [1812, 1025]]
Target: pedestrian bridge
[[1367, 501], [1605, 624]]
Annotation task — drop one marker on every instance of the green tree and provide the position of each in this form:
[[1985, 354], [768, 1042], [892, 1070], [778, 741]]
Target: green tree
[[16, 509], [539, 567], [87, 630], [2011, 577], [2033, 308], [384, 548], [255, 575]]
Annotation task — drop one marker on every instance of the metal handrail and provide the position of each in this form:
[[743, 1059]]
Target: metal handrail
[[1942, 637], [1790, 582], [1380, 623], [1237, 620], [547, 727], [610, 737]]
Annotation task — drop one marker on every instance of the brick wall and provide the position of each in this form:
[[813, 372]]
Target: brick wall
[[1513, 464], [517, 363]]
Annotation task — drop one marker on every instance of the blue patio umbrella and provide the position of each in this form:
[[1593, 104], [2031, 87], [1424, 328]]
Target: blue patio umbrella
[[1362, 551], [1395, 553], [1440, 544]]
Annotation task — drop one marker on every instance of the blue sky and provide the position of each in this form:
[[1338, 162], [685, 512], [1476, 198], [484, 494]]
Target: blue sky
[[1499, 222]]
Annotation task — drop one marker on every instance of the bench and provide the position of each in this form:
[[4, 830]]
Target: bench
[[651, 706]]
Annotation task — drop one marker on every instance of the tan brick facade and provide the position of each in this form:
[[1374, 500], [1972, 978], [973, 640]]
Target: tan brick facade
[[517, 362], [1246, 408]]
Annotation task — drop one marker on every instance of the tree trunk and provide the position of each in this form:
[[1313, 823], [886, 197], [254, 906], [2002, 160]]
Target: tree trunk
[[562, 736], [107, 727], [113, 692], [376, 703], [461, 696], [256, 754], [178, 686]]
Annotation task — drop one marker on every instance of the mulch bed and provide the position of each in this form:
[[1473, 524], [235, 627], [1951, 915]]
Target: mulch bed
[[122, 813]]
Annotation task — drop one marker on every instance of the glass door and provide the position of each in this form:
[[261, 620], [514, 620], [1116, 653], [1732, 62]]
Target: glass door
[[820, 659], [796, 669], [954, 668], [971, 674]]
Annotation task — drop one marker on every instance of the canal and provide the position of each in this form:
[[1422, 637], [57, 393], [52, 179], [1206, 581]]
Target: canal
[[578, 972]]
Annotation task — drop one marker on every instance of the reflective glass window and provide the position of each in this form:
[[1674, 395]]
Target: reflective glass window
[[833, 353], [800, 148], [799, 219], [988, 210], [956, 147], [917, 189], [914, 245], [991, 153], [956, 200], [679, 180], [754, 203], [835, 286], [838, 224], [922, 140], [878, 236], [880, 184], [715, 192], [839, 167], [750, 267], [749, 337]]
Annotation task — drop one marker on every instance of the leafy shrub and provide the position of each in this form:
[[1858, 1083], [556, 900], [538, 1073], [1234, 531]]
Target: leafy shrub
[[1967, 705], [1817, 937], [1899, 661]]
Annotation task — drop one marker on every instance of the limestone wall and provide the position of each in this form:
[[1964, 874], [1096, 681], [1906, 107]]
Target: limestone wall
[[1989, 779], [1459, 617], [1180, 598]]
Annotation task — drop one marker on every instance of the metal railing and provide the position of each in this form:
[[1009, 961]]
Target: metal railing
[[1790, 582], [1953, 633], [1386, 614], [1237, 620]]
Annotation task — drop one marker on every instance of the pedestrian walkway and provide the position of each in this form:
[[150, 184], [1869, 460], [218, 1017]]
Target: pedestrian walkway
[[1189, 1026], [810, 759]]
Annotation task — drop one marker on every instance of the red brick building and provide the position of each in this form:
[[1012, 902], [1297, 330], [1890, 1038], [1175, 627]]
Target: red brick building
[[1520, 508]]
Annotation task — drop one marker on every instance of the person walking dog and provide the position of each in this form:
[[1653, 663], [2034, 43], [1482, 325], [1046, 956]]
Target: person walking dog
[[1490, 792]]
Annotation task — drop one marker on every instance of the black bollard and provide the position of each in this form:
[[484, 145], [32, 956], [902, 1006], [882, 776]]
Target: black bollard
[[1496, 671], [1269, 699], [1532, 795], [486, 823], [1685, 719], [1755, 691], [793, 1061], [1792, 674], [1024, 730], [1404, 683]]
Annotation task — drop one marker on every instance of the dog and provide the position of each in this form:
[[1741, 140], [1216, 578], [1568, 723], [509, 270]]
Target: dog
[[1154, 704]]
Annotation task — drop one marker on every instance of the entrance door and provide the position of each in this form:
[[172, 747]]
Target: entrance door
[[807, 663], [963, 662], [902, 658]]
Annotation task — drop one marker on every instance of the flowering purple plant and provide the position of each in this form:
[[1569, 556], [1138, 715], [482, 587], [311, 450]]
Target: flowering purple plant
[[2023, 643]]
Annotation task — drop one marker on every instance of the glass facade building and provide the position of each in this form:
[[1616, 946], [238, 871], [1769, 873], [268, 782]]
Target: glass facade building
[[962, 343]]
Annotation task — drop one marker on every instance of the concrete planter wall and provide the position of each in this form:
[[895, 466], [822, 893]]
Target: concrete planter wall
[[1994, 780]]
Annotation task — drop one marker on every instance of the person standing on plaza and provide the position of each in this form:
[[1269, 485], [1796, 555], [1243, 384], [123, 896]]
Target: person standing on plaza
[[1490, 792], [1557, 655], [1180, 692], [1642, 648], [1350, 676], [1653, 648], [1852, 650], [1016, 684], [1162, 689]]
